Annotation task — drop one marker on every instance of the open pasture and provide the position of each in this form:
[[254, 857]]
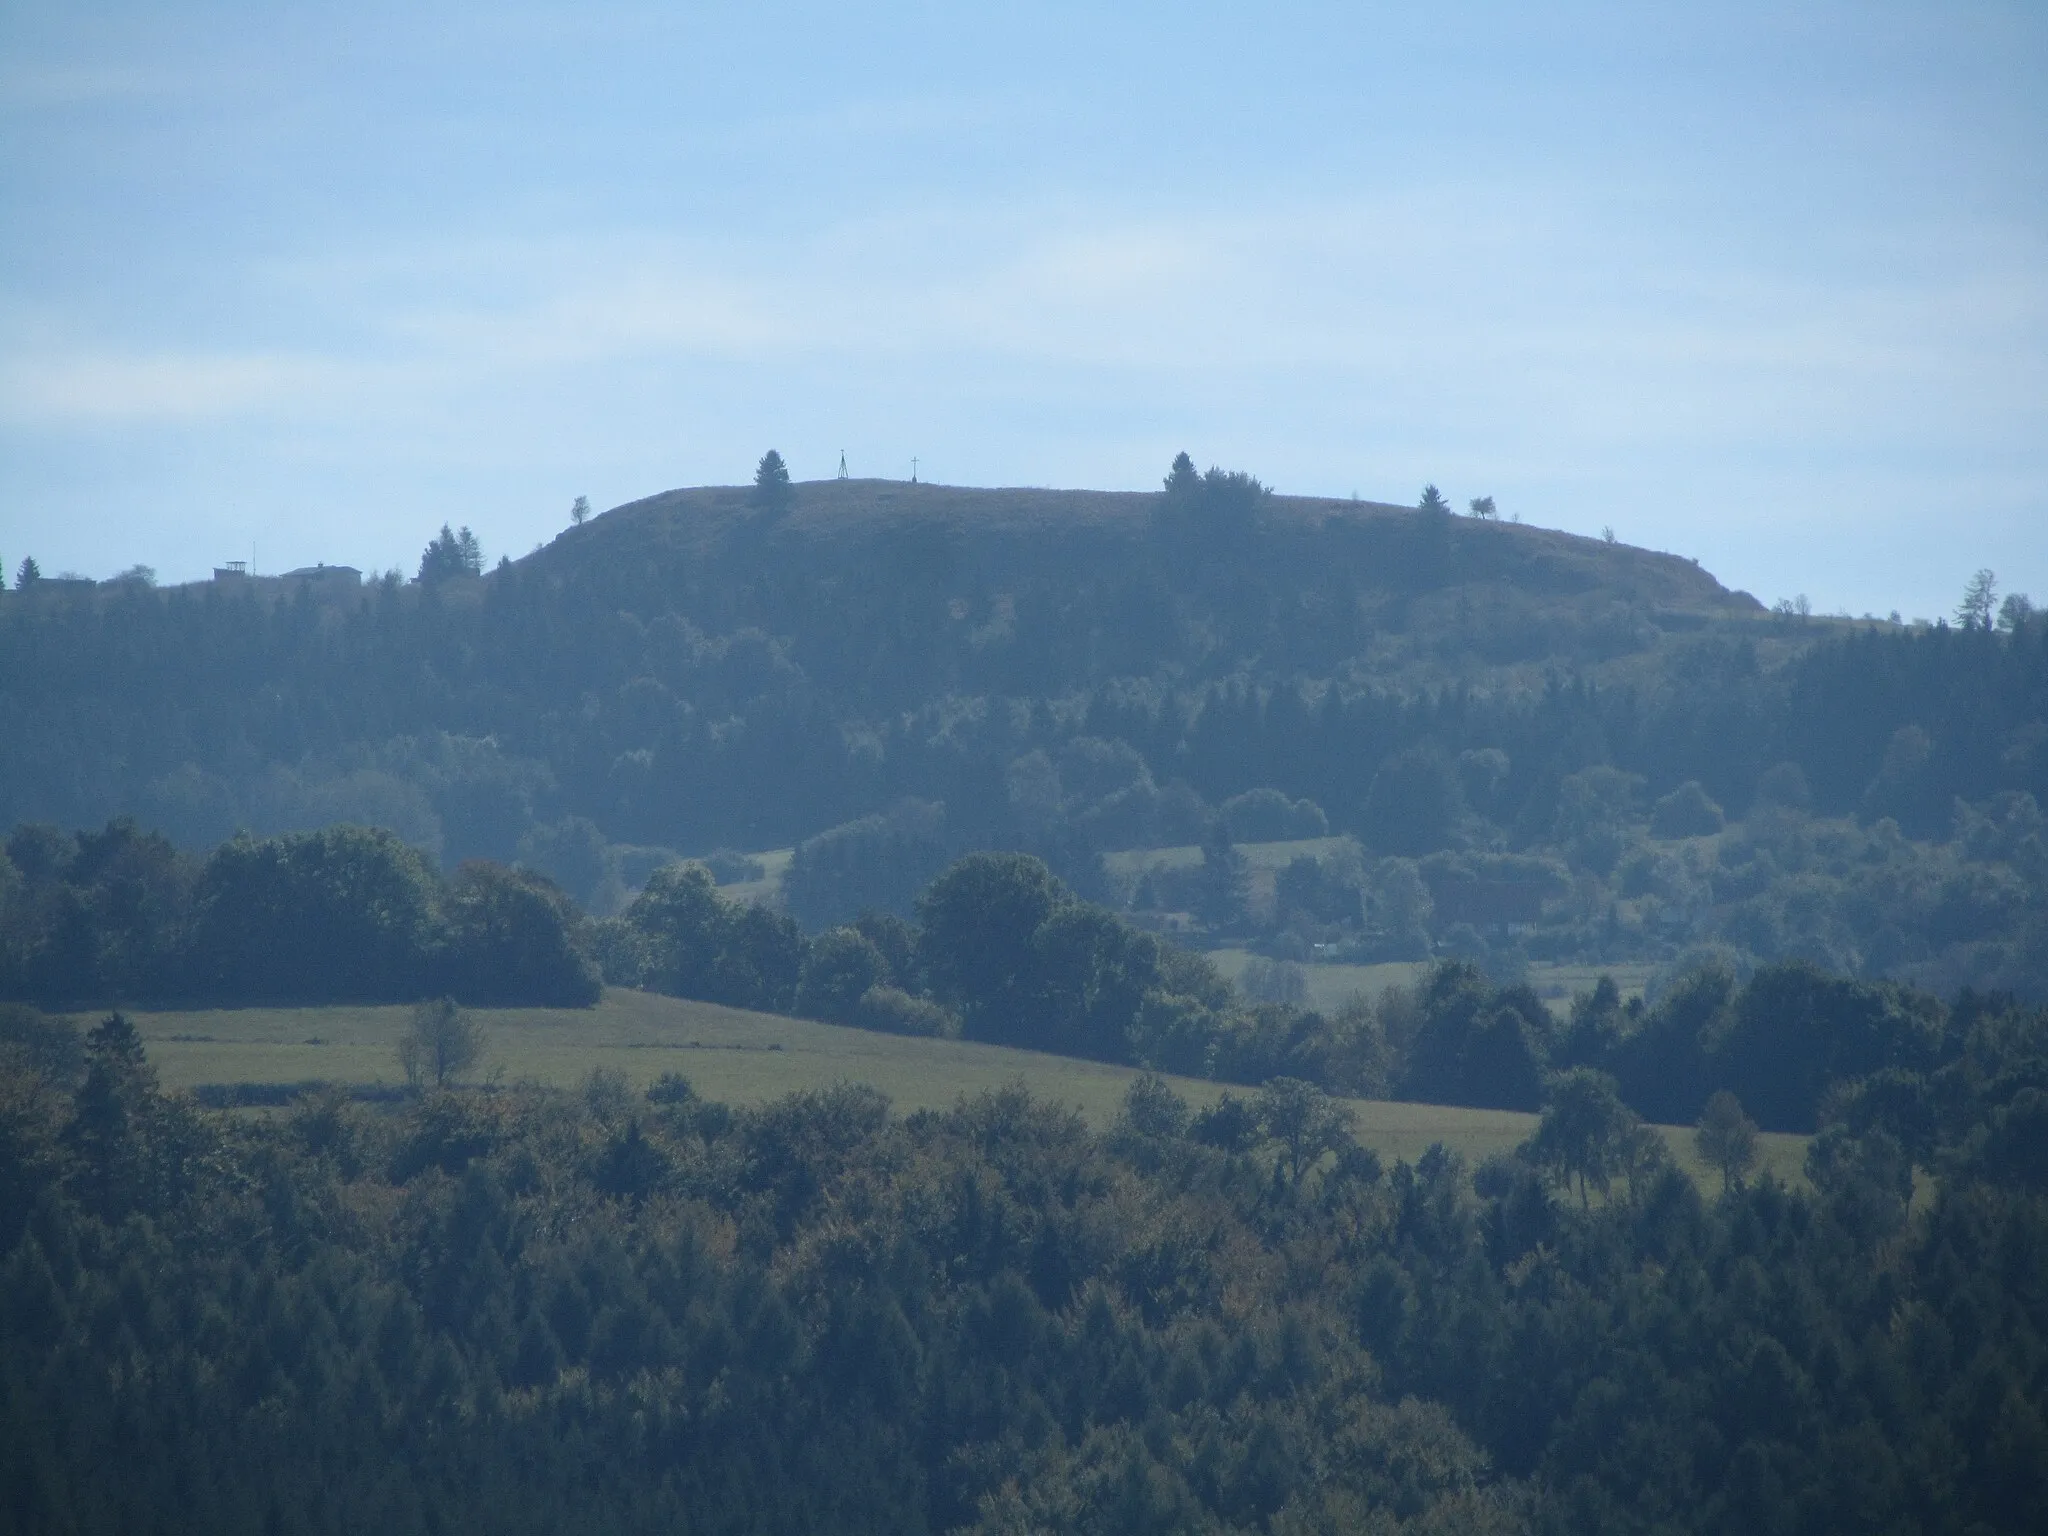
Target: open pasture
[[748, 1058]]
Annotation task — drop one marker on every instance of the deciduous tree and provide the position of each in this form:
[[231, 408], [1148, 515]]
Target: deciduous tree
[[1726, 1139], [441, 1043]]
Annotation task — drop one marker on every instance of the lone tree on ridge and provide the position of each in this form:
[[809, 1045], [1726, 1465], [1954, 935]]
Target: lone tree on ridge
[[771, 481]]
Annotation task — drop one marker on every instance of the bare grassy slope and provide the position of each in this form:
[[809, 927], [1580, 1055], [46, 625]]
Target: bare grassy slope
[[704, 521], [892, 593]]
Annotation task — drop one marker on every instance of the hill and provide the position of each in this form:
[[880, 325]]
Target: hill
[[1608, 756], [1041, 591], [693, 670]]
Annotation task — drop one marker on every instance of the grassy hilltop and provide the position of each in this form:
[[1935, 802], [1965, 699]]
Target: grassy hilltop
[[1090, 584]]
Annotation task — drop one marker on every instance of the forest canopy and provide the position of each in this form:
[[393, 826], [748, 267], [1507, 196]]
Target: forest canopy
[[527, 1310]]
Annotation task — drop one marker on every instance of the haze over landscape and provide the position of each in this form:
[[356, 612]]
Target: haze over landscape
[[1174, 772], [1756, 284]]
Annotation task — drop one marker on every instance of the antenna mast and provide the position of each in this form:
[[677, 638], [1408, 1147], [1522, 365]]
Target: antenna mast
[[842, 463]]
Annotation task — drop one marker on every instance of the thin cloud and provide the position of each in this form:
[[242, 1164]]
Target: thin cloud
[[161, 387]]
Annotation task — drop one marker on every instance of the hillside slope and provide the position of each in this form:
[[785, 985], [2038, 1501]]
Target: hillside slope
[[891, 591], [985, 524]]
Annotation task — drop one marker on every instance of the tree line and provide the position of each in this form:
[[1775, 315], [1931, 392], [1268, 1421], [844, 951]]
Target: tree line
[[347, 914], [1000, 951]]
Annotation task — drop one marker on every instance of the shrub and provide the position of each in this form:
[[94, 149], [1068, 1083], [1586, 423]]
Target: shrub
[[893, 1011], [1688, 811]]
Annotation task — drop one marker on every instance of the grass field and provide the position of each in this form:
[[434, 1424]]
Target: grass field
[[1132, 862], [746, 1058]]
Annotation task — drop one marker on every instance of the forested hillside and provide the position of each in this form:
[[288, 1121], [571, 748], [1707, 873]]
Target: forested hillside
[[1003, 766], [526, 1311], [1604, 753]]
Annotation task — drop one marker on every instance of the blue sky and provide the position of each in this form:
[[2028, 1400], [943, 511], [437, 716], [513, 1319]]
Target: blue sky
[[1762, 284]]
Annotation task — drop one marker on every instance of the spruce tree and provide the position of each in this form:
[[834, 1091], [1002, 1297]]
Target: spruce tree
[[771, 481]]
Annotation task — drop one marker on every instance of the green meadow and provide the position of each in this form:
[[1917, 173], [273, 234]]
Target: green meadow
[[747, 1058]]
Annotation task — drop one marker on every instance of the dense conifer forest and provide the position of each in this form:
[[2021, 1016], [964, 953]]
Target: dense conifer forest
[[524, 1310]]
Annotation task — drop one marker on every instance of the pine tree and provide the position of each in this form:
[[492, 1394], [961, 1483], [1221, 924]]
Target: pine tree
[[108, 1133], [451, 554], [771, 481], [1433, 502]]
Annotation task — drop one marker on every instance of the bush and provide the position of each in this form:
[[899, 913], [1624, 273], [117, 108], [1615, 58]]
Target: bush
[[1268, 816], [51, 1046], [515, 938], [1688, 811], [670, 1088], [843, 965], [892, 1011]]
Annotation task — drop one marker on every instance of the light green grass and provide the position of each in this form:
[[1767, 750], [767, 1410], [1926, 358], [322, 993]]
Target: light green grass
[[767, 890], [1331, 986], [1133, 862], [747, 1058]]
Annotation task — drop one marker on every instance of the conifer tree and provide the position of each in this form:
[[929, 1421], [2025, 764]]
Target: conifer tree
[[771, 481]]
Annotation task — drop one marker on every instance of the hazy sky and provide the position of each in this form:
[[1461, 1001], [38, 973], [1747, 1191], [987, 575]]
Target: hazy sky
[[1765, 284]]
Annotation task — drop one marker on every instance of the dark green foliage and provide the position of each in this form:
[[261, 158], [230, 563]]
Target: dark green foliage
[[1269, 816], [893, 1011], [876, 863], [522, 1316], [688, 674], [50, 1046], [1220, 885], [1477, 1045], [1585, 1132], [348, 914], [451, 555], [573, 854], [1414, 804], [513, 938], [693, 943], [839, 968], [979, 920], [1688, 811], [771, 482], [1794, 1030], [1209, 513]]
